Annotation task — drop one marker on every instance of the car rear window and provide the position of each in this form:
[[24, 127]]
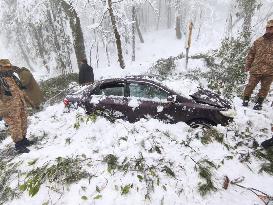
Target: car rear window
[[148, 91], [111, 89]]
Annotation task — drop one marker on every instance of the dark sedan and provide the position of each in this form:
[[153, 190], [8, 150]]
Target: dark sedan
[[136, 97]]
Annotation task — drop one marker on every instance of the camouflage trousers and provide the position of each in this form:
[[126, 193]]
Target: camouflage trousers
[[254, 79], [17, 121]]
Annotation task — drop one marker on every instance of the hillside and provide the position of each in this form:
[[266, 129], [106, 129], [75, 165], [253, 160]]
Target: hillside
[[79, 159]]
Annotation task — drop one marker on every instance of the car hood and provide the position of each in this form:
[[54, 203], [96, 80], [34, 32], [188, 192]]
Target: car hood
[[210, 98]]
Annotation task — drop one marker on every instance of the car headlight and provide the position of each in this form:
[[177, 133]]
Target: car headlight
[[229, 113]]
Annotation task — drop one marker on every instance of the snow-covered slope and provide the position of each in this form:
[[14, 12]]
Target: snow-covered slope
[[161, 163]]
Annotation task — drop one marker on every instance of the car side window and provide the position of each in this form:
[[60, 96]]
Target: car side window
[[142, 90], [116, 89]]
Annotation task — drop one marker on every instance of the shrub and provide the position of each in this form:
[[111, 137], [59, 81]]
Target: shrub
[[225, 65], [66, 171], [54, 86]]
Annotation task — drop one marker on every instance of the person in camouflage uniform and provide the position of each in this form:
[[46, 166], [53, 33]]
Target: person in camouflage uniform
[[13, 98], [259, 62]]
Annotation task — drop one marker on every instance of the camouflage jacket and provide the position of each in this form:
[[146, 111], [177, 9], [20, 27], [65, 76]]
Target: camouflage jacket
[[17, 97], [260, 57]]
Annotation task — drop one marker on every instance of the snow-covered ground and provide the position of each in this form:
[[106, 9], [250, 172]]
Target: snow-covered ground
[[152, 162], [158, 145]]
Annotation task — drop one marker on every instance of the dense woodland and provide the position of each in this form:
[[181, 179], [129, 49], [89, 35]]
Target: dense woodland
[[55, 35]]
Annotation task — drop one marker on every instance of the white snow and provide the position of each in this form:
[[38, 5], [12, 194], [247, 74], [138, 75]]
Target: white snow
[[158, 144]]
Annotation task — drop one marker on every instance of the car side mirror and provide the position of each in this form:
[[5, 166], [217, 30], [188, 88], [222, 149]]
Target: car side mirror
[[171, 98]]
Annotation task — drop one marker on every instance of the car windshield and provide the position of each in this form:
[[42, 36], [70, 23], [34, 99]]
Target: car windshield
[[148, 91]]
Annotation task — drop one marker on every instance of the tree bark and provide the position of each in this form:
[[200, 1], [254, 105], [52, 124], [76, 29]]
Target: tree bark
[[134, 33], [117, 35], [39, 40], [169, 15], [178, 27], [138, 31], [57, 45], [75, 25], [21, 47], [248, 7], [159, 14]]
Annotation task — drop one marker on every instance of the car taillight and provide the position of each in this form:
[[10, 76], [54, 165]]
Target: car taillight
[[66, 102]]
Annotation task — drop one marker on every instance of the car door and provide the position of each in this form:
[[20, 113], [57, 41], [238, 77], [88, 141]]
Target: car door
[[148, 100], [109, 98]]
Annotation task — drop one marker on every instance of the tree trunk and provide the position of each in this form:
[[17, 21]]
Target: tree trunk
[[133, 33], [117, 35], [75, 25], [40, 43], [138, 31], [178, 27], [57, 46], [107, 52], [159, 14], [248, 7], [169, 17], [21, 47]]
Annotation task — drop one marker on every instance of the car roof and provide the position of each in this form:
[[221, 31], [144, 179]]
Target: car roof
[[145, 78], [137, 78]]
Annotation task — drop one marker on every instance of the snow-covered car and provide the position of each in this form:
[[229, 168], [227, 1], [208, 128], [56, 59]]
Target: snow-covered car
[[135, 97]]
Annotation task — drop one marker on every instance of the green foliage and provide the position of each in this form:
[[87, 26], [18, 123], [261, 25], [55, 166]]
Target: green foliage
[[212, 134], [85, 118], [168, 170], [66, 171], [92, 118], [68, 141], [7, 171], [140, 178], [125, 190], [84, 198], [32, 162], [267, 156], [267, 167], [225, 74], [112, 162], [205, 188], [79, 119], [164, 67], [98, 196], [54, 86], [204, 171]]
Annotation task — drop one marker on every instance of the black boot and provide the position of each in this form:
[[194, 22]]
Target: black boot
[[26, 142], [21, 148], [245, 101], [259, 104], [267, 143]]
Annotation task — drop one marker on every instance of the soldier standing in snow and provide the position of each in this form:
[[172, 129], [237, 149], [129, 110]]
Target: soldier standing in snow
[[259, 62], [13, 99], [86, 75]]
